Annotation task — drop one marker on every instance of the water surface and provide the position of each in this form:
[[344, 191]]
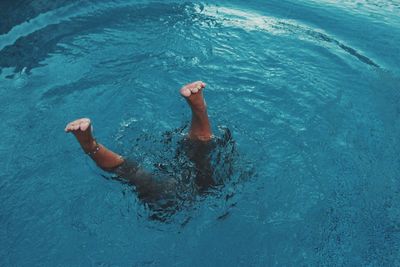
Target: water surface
[[308, 89]]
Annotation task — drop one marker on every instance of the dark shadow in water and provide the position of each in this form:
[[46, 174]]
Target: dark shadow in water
[[325, 38], [29, 50], [193, 172], [14, 12]]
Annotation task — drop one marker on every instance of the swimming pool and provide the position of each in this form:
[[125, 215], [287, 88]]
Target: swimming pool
[[309, 91]]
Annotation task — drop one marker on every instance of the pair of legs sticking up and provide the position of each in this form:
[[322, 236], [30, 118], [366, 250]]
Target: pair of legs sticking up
[[147, 187]]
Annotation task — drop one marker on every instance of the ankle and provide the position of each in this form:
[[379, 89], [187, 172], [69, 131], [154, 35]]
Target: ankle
[[89, 145], [199, 110]]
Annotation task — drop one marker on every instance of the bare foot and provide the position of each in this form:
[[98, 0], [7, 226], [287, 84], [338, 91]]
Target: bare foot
[[193, 93], [82, 129], [200, 128]]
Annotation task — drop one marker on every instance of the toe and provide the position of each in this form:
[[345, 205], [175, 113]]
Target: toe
[[84, 125], [194, 90], [69, 127], [199, 84], [186, 92]]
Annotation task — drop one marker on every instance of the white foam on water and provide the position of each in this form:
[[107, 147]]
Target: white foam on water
[[253, 21]]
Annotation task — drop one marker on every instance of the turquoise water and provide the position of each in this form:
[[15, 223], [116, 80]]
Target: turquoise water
[[309, 91]]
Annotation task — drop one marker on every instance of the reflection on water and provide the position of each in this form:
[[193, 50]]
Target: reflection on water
[[18, 48]]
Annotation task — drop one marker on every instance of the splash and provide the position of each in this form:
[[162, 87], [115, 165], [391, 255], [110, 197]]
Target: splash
[[201, 172]]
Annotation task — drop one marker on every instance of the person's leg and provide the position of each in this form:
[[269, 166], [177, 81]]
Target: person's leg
[[104, 158], [200, 128], [200, 134], [148, 187]]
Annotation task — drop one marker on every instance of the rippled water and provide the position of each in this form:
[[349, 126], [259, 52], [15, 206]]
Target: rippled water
[[309, 91]]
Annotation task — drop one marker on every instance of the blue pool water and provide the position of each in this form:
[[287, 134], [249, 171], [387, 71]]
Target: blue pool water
[[308, 89]]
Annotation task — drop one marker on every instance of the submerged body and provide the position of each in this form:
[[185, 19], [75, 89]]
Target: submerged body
[[158, 192]]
